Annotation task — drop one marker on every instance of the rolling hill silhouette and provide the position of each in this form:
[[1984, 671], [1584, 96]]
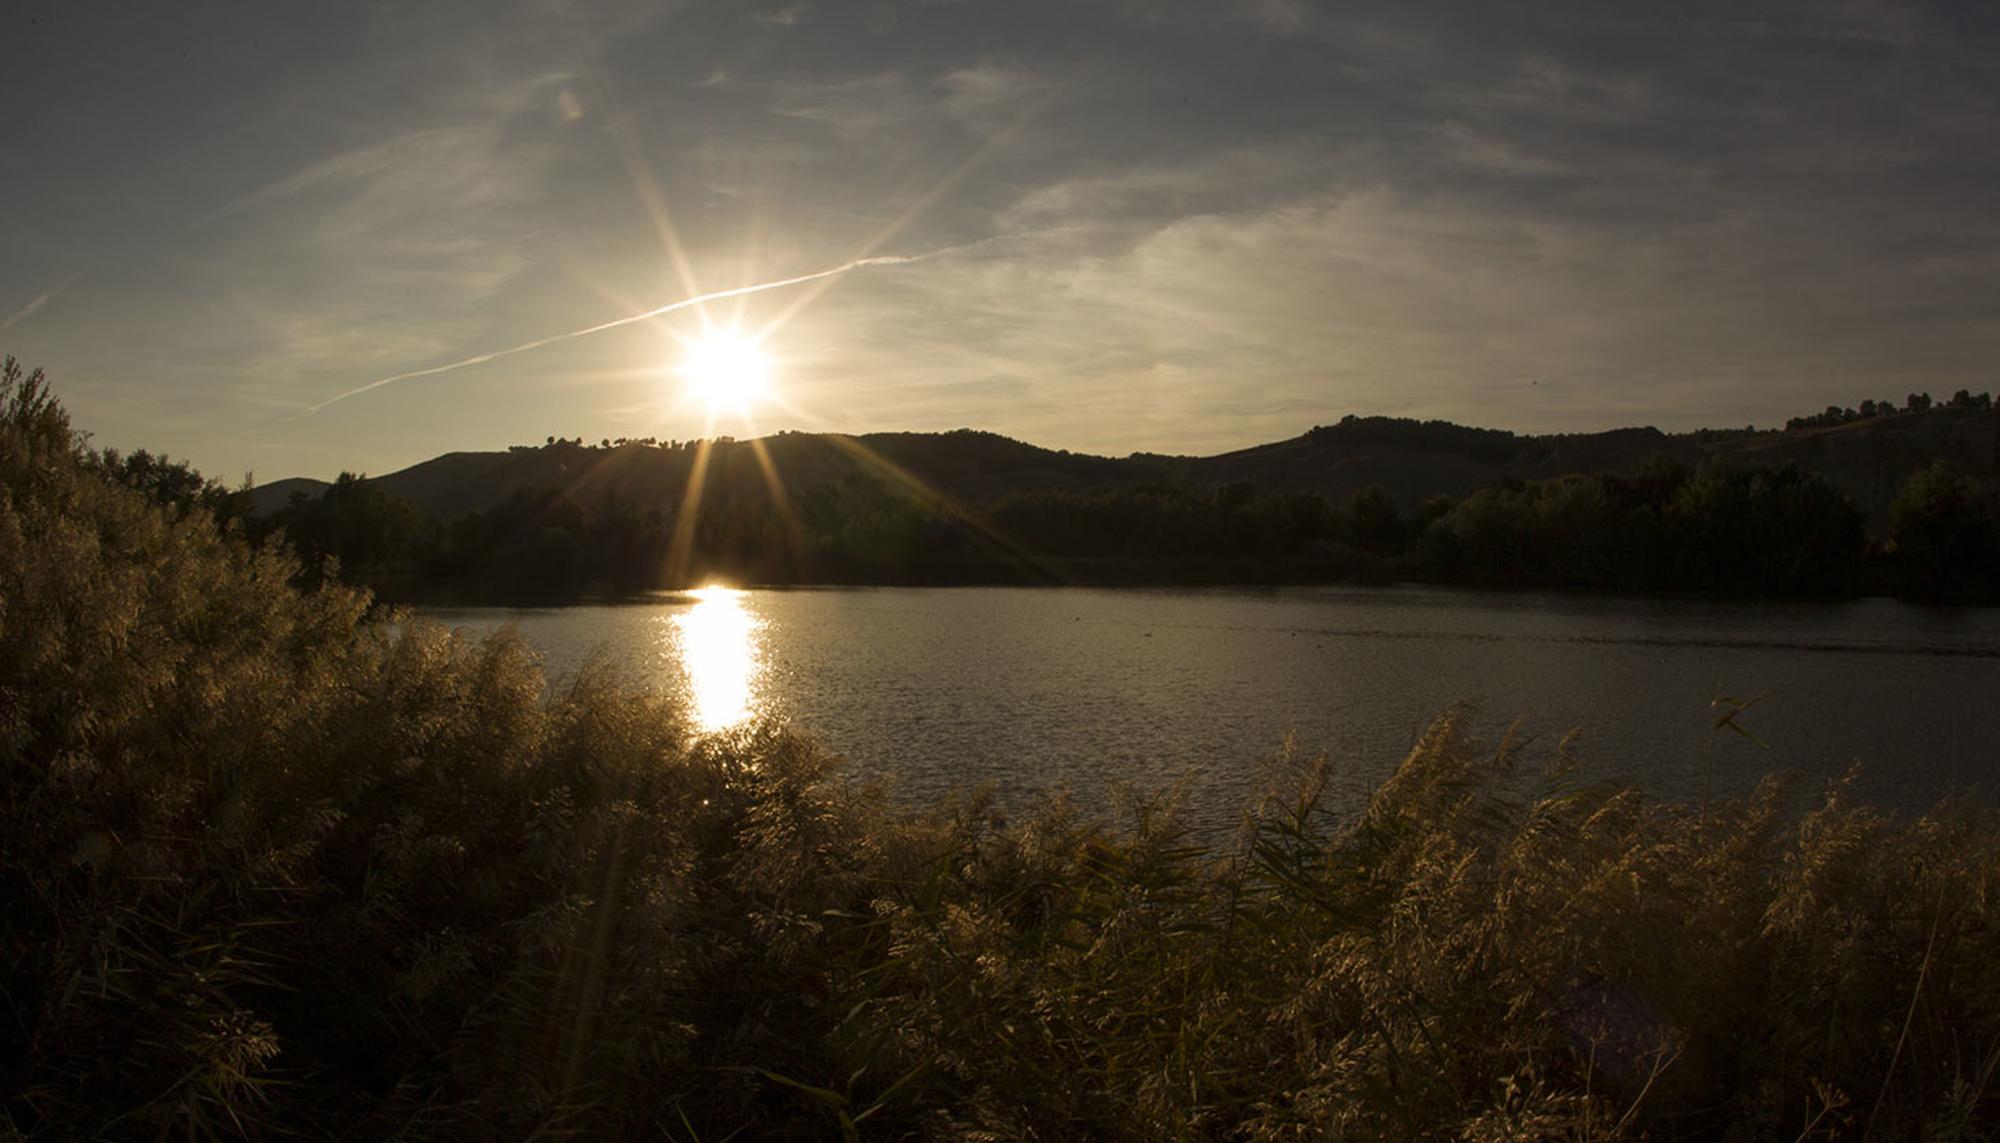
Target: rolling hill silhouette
[[1413, 460]]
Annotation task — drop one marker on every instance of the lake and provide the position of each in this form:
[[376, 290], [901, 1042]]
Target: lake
[[1035, 689]]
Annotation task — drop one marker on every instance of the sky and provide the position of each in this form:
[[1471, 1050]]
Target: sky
[[1112, 225]]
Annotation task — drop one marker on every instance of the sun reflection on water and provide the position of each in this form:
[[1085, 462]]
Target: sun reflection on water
[[717, 643]]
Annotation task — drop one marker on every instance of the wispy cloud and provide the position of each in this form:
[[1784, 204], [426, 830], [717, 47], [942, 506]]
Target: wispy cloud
[[1166, 308], [391, 248], [854, 107], [1284, 17], [787, 17], [1240, 217], [989, 89]]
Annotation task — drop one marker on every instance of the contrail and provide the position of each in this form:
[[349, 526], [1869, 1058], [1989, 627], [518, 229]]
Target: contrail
[[670, 307], [33, 307]]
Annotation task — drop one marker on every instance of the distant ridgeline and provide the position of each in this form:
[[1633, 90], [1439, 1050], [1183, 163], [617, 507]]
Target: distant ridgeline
[[1868, 410], [1885, 499]]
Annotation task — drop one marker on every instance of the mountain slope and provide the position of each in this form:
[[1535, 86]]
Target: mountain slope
[[266, 498], [1869, 459]]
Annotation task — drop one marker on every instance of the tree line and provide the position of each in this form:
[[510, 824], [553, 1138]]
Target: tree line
[[1714, 529], [1868, 410]]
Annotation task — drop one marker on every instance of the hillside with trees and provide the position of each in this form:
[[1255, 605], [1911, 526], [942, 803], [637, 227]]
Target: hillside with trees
[[1851, 505], [1867, 453]]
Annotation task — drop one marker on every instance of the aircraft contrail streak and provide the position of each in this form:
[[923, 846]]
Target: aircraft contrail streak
[[670, 307]]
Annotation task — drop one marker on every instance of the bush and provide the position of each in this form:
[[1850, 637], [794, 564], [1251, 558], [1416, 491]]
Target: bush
[[1945, 536], [274, 866]]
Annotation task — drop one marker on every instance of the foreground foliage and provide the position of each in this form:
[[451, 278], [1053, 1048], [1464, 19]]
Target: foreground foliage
[[270, 867]]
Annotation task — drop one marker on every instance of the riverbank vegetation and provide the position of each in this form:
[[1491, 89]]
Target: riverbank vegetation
[[270, 866]]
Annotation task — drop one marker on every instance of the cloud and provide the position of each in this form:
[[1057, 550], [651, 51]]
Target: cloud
[[472, 117], [787, 17], [1151, 195], [388, 249], [1283, 17], [983, 90], [1232, 220], [852, 108], [1166, 309]]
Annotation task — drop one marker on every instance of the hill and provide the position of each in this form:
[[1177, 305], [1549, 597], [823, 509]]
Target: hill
[[267, 498], [1871, 458], [1868, 458]]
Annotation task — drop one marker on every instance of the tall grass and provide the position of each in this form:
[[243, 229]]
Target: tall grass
[[270, 867]]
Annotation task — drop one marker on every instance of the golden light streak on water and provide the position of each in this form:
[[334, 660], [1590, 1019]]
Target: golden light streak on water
[[720, 650]]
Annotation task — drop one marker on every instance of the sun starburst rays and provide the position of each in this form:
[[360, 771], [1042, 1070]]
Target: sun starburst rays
[[727, 371]]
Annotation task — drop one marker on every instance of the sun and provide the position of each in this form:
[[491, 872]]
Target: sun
[[726, 370]]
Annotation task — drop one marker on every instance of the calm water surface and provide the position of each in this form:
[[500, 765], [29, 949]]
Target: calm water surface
[[1038, 689]]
